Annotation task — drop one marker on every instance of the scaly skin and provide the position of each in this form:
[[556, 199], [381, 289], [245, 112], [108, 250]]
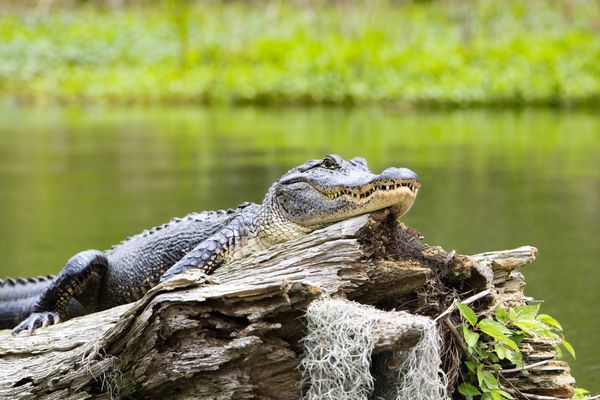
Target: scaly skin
[[308, 197]]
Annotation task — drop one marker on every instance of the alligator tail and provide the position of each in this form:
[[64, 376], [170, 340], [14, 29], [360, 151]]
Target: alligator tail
[[18, 297]]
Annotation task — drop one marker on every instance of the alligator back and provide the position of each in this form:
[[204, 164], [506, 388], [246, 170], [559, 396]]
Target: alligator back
[[137, 263]]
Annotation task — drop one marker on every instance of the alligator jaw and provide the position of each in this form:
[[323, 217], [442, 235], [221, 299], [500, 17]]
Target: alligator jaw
[[352, 202], [365, 193]]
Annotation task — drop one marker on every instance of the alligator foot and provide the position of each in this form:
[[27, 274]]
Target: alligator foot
[[37, 320]]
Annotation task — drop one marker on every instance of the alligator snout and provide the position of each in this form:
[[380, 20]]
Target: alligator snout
[[400, 174]]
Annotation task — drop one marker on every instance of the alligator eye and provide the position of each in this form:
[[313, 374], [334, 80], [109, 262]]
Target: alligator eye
[[329, 163]]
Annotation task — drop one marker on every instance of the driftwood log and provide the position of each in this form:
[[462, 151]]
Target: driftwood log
[[237, 334]]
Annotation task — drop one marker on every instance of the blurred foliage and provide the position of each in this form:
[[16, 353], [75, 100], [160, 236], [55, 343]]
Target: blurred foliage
[[473, 52]]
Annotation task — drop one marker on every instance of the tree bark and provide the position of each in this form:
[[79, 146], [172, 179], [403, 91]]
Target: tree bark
[[236, 334]]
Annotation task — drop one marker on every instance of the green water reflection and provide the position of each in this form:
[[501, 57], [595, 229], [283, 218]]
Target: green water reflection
[[72, 179]]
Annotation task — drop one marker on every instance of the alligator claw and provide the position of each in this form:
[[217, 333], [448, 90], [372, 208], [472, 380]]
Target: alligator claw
[[36, 320]]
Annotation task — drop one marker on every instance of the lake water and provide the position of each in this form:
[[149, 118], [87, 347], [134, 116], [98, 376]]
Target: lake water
[[73, 179]]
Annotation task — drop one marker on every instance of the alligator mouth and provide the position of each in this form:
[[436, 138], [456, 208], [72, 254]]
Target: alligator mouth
[[366, 191]]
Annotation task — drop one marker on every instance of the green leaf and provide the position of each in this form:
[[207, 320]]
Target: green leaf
[[501, 351], [493, 327], [486, 380], [581, 394], [468, 390], [497, 331], [516, 358], [490, 380], [502, 394], [501, 315], [512, 315], [527, 312], [493, 358], [526, 329], [517, 337], [508, 342], [559, 352], [470, 366], [467, 313], [568, 347], [471, 337], [535, 327], [548, 320]]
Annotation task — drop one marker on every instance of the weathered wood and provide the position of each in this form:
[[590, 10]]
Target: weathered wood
[[235, 334], [502, 263]]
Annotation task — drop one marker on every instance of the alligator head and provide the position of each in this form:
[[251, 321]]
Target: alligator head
[[321, 192]]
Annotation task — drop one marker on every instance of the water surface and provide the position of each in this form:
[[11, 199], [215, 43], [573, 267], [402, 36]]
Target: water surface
[[73, 179]]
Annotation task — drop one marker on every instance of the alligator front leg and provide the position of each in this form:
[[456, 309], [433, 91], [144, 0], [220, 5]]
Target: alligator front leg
[[230, 242], [81, 275]]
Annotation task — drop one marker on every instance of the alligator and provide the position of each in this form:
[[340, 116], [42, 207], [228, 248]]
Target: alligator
[[310, 196]]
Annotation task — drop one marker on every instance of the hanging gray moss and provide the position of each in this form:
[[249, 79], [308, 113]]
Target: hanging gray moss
[[338, 362], [338, 350], [412, 374]]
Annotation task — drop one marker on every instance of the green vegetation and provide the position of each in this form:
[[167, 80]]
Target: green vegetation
[[451, 53], [492, 343]]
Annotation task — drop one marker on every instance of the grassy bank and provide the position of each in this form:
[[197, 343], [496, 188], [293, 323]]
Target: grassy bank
[[432, 53]]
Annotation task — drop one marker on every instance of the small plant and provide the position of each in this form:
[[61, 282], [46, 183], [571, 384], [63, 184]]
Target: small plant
[[492, 343], [583, 394]]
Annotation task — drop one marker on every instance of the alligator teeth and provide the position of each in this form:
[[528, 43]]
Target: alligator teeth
[[358, 195]]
